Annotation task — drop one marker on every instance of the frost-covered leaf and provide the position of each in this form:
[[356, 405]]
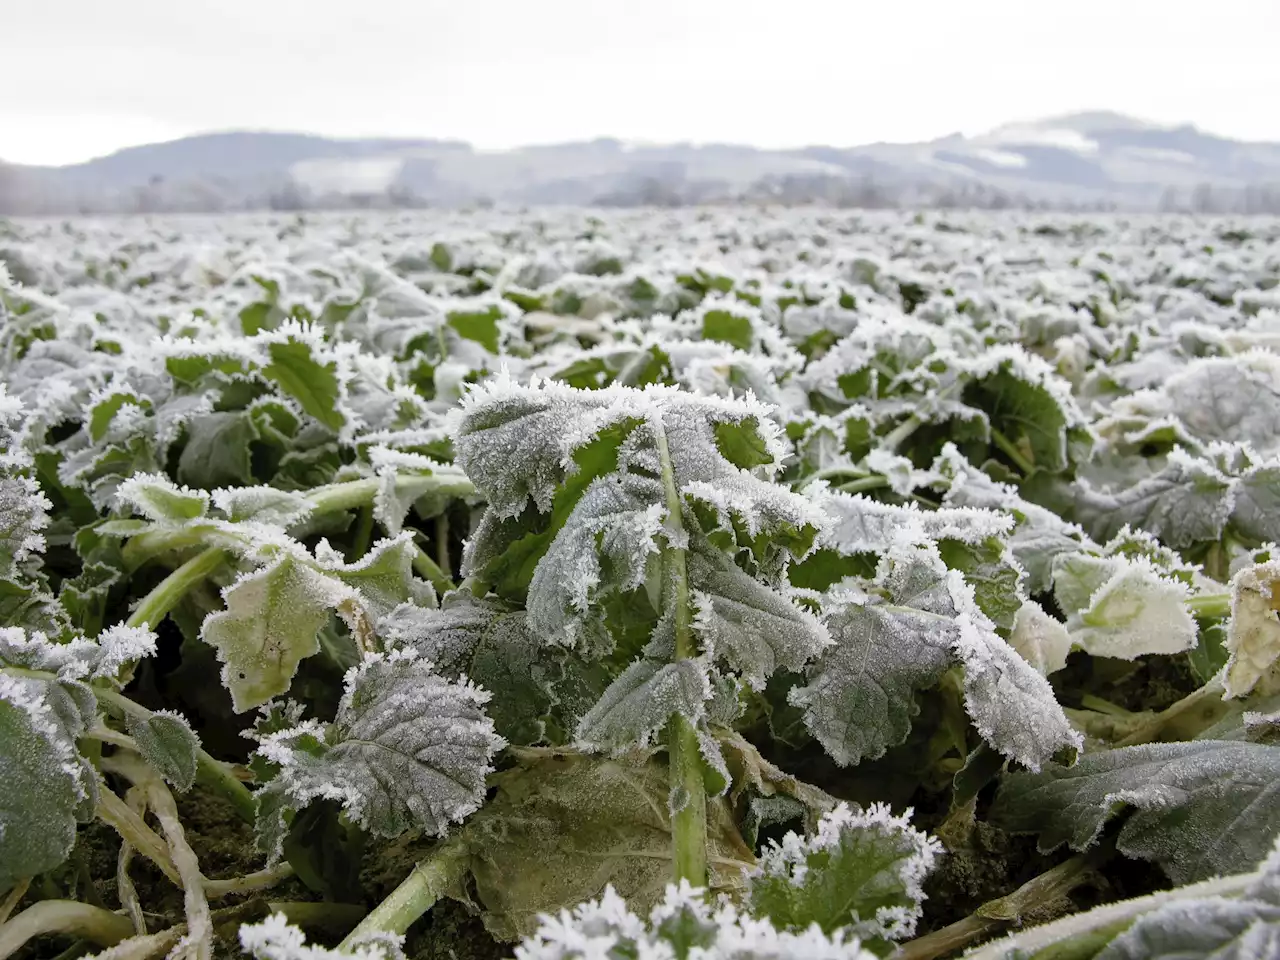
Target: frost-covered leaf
[[23, 517], [491, 644], [1206, 927], [1253, 633], [269, 626], [48, 786], [861, 872], [1039, 639], [407, 750], [1121, 607], [78, 658], [1203, 808], [549, 839], [638, 704], [860, 695], [683, 924], [918, 621], [167, 742], [312, 383], [282, 508], [158, 498], [1188, 501]]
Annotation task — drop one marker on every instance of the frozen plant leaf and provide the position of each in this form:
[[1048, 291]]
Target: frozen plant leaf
[[269, 627], [282, 508], [1039, 639], [1203, 808], [1253, 633], [1208, 928], [638, 704], [1121, 607], [861, 872], [78, 658], [561, 827], [158, 498], [48, 786], [490, 643], [23, 517], [383, 577], [313, 384], [167, 742], [1188, 501], [276, 939], [407, 750], [860, 695], [686, 923]]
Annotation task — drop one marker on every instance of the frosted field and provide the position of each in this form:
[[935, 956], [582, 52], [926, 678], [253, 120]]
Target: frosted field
[[861, 568]]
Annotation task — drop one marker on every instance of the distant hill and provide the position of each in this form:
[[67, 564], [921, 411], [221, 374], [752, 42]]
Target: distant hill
[[1085, 159]]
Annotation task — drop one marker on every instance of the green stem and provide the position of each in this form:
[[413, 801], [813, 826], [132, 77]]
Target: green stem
[[442, 544], [866, 483], [426, 568], [1210, 606], [1010, 450], [428, 882], [63, 916], [363, 536], [689, 821], [900, 434], [155, 606]]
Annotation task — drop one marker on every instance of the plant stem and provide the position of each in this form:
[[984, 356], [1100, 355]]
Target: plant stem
[[155, 606], [1115, 917], [1196, 711], [442, 545], [126, 892], [249, 883], [199, 923], [900, 434], [1010, 450], [991, 916], [426, 568], [13, 898], [866, 483], [427, 882], [689, 817], [210, 773], [63, 916], [1210, 606], [363, 537], [134, 831]]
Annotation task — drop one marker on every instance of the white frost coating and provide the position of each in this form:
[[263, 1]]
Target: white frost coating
[[123, 644], [1123, 607], [267, 505], [1040, 639], [276, 939], [604, 928], [158, 498], [791, 860], [79, 658], [1253, 633]]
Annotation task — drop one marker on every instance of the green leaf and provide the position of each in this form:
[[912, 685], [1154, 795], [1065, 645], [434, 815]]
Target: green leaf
[[269, 626], [407, 750], [48, 786], [1025, 409], [989, 568], [219, 450], [862, 871], [313, 384], [1203, 808], [479, 327], [158, 498], [167, 742], [727, 328]]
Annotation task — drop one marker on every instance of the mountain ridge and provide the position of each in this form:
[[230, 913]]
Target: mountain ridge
[[1094, 157]]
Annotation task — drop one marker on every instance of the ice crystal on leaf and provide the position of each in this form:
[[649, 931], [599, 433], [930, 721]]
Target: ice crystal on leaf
[[861, 872], [684, 924], [276, 939], [1253, 634], [407, 750]]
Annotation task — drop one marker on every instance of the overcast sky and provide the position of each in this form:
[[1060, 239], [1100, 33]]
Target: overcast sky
[[84, 77]]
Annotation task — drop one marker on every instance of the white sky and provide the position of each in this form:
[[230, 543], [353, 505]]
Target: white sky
[[85, 77]]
